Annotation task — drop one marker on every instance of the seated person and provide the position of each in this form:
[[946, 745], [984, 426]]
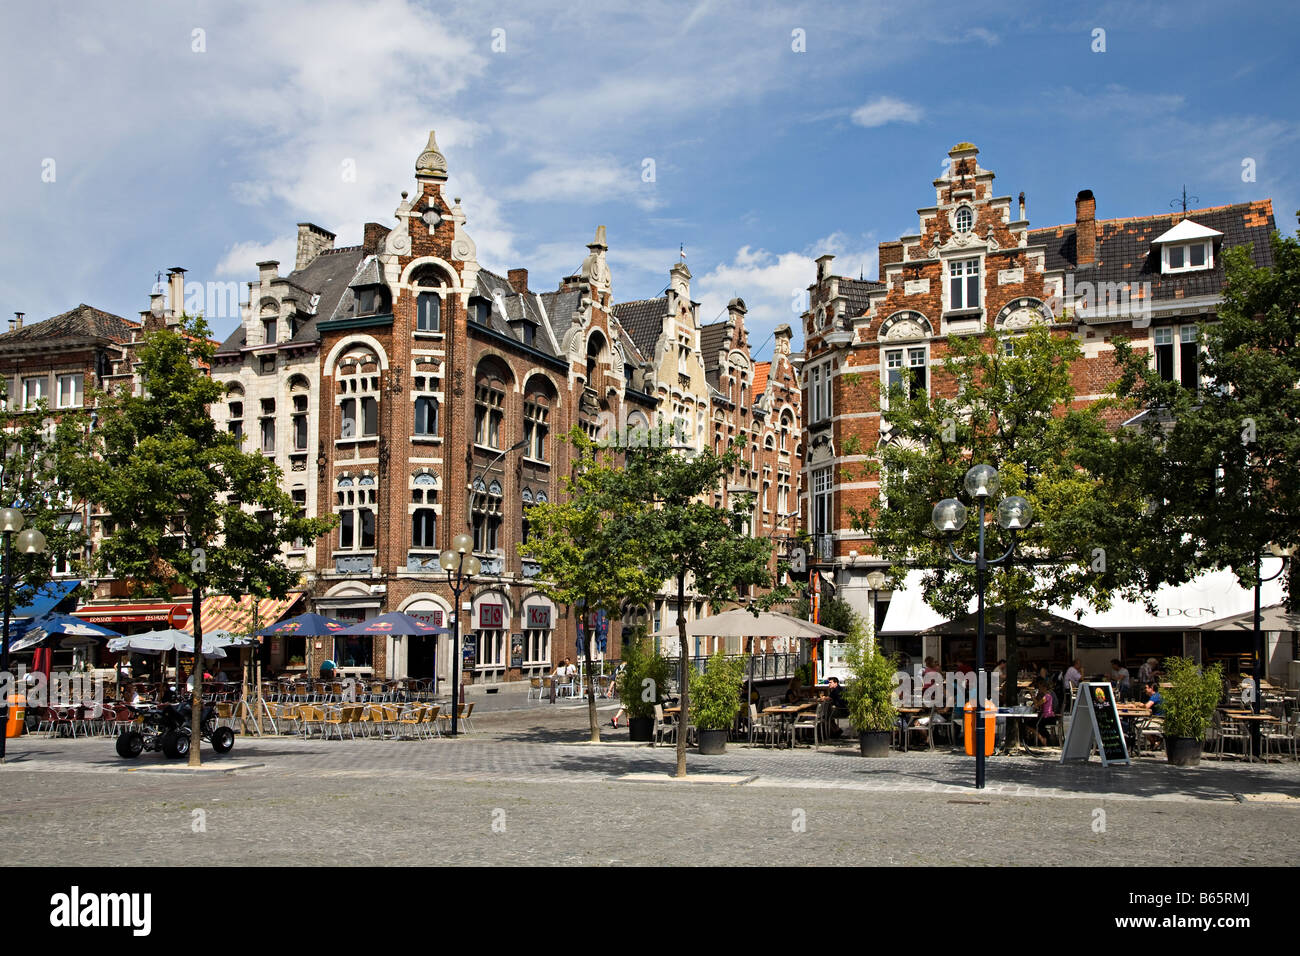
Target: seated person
[[839, 705], [327, 670], [1155, 703], [795, 690]]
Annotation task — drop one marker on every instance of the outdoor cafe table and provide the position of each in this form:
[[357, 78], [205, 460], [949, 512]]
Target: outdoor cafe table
[[788, 712], [1251, 716]]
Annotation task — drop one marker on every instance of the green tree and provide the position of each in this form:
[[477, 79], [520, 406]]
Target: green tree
[[34, 445], [1220, 465], [691, 539], [1007, 402], [190, 508], [587, 549]]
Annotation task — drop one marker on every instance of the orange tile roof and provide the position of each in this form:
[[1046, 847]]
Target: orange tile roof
[[761, 370]]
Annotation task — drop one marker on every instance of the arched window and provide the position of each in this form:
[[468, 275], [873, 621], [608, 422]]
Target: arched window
[[357, 375], [428, 312], [538, 402], [490, 383]]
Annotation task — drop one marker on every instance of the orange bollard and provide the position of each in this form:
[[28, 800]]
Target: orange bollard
[[17, 714], [990, 727]]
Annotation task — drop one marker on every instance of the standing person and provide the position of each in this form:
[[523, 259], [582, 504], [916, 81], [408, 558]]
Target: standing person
[[1121, 678], [1045, 705], [1147, 672]]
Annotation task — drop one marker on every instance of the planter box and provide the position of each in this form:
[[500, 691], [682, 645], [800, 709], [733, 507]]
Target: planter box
[[1183, 751], [641, 729], [874, 743], [713, 742]]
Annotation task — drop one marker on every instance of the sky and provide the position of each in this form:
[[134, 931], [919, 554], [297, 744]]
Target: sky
[[753, 136]]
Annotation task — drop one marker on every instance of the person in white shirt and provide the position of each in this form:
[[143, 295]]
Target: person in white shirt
[[1074, 674]]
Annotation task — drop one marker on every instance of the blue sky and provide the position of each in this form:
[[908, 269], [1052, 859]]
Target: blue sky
[[203, 150]]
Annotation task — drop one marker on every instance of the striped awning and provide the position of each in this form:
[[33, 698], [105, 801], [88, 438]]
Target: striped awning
[[221, 612]]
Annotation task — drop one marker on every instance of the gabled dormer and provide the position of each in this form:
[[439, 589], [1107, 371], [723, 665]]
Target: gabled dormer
[[1187, 247]]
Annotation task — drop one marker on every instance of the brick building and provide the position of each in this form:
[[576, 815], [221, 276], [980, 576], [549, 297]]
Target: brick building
[[974, 264], [417, 395], [706, 384]]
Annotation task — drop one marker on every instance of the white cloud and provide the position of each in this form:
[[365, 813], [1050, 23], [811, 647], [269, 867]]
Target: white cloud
[[240, 260], [886, 109], [774, 284]]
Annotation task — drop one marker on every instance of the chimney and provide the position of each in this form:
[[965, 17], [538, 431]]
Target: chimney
[[17, 323], [372, 242], [267, 271], [312, 241], [888, 254], [824, 267], [1022, 207], [518, 279], [1085, 228], [175, 294]]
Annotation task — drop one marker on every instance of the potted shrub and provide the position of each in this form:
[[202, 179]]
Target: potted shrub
[[715, 701], [637, 696], [1189, 704], [870, 692]]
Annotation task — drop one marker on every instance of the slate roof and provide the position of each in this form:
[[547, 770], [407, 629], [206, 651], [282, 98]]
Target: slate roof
[[328, 275], [497, 290], [712, 338], [83, 322], [644, 321], [560, 306], [1125, 254], [855, 292]]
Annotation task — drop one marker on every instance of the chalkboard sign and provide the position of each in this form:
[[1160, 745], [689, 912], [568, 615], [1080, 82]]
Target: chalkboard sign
[[1095, 722]]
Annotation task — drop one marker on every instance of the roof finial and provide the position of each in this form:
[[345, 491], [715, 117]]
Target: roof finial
[[681, 251], [431, 162], [1184, 200]]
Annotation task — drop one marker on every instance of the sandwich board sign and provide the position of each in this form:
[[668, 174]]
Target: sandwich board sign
[[1095, 722]]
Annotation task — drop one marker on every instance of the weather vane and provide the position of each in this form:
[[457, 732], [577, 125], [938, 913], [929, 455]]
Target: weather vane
[[1184, 200]]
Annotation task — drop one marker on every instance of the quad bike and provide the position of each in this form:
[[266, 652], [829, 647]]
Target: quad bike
[[166, 728]]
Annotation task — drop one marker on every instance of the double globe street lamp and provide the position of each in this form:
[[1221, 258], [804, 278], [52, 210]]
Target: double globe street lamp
[[30, 541], [461, 565], [949, 517]]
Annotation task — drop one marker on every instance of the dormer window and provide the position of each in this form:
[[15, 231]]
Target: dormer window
[[372, 300], [1188, 258], [1187, 247], [479, 310]]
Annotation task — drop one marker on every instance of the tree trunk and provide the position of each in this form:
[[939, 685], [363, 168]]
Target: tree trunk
[[683, 678], [196, 698], [590, 633], [1011, 693]]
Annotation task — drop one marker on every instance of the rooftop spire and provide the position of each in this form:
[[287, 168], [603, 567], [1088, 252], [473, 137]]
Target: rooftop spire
[[431, 162]]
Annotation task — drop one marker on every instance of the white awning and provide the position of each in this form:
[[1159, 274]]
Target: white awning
[[1191, 606]]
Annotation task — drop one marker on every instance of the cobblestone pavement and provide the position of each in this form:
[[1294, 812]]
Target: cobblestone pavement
[[503, 794]]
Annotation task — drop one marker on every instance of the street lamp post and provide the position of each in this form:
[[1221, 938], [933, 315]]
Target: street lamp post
[[461, 565], [949, 516], [1285, 553], [30, 541]]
